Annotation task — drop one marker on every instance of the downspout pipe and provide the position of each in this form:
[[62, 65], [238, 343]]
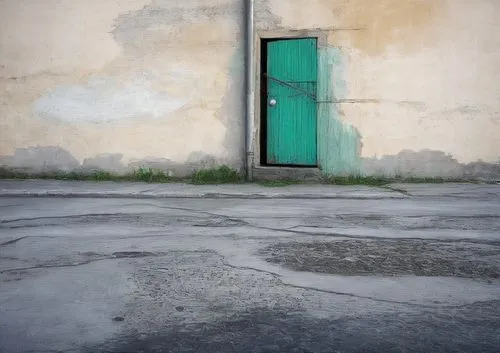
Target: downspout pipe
[[249, 87]]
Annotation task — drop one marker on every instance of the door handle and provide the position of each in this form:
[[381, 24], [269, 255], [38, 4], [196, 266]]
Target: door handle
[[273, 102]]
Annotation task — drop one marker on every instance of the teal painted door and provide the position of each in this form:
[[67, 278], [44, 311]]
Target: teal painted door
[[291, 102]]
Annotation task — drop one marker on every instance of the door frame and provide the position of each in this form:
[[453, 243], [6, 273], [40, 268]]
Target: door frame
[[259, 133]]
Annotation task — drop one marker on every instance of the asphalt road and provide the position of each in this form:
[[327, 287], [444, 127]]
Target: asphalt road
[[415, 274]]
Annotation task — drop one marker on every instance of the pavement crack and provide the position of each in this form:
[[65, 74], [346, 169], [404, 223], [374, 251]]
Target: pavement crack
[[369, 237], [206, 213], [61, 217], [37, 267], [13, 241], [114, 256], [395, 189]]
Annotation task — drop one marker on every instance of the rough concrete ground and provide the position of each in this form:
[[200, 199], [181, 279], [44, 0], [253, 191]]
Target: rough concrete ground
[[387, 272]]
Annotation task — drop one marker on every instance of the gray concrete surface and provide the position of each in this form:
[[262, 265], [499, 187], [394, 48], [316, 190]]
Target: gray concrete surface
[[417, 272], [37, 188]]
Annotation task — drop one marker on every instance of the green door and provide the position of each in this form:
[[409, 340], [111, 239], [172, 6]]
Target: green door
[[291, 102]]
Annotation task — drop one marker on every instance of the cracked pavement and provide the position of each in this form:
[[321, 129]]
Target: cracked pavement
[[415, 273]]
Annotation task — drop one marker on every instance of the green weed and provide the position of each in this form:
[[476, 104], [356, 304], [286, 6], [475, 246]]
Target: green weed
[[356, 180], [220, 175], [278, 182], [150, 175]]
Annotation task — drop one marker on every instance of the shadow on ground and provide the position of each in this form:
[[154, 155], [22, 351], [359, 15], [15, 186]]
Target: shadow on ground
[[457, 330]]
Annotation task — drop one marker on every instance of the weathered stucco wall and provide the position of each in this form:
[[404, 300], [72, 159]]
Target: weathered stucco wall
[[409, 87], [413, 84], [115, 84]]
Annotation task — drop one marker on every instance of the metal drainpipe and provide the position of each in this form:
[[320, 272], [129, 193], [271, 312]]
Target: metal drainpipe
[[250, 88]]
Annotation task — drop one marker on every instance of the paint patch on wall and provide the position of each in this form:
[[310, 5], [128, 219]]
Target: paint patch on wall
[[103, 100], [339, 144]]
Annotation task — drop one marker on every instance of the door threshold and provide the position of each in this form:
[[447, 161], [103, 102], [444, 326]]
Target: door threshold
[[273, 172], [298, 166]]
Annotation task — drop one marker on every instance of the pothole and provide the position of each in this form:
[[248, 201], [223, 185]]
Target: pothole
[[122, 254], [219, 222], [388, 258]]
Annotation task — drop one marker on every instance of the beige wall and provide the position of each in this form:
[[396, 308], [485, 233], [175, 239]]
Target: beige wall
[[146, 80], [116, 83]]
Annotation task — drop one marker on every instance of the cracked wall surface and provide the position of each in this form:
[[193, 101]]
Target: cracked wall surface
[[115, 84]]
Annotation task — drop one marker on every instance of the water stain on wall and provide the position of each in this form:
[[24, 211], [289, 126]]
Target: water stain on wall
[[403, 23], [232, 108], [264, 17], [429, 163], [41, 160], [370, 26]]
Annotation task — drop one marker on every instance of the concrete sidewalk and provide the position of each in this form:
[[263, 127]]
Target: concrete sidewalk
[[45, 188]]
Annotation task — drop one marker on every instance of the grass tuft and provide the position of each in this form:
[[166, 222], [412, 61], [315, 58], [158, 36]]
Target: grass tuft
[[278, 182], [220, 175], [150, 175], [356, 180]]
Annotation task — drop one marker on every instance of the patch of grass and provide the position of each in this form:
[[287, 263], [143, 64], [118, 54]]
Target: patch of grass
[[12, 174], [150, 175], [437, 180], [142, 174], [221, 175], [278, 182], [68, 176], [356, 180], [381, 181], [101, 175]]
